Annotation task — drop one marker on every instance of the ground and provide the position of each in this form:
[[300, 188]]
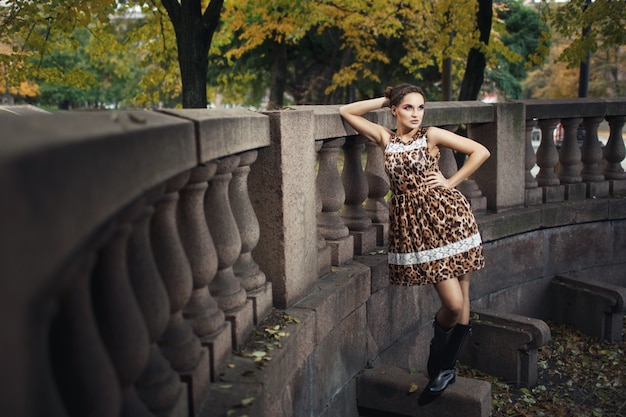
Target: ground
[[579, 376]]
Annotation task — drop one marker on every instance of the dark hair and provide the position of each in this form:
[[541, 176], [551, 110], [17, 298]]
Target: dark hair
[[397, 93]]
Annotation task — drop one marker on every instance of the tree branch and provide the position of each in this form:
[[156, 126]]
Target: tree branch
[[211, 16], [173, 10]]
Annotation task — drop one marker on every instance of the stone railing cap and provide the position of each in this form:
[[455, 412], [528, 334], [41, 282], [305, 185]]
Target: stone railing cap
[[224, 132], [564, 108], [69, 173]]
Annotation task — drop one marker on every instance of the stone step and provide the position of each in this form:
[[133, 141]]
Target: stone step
[[593, 307], [505, 345], [384, 391]]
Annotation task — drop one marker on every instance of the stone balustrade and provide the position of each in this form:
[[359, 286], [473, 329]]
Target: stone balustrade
[[139, 250], [581, 168]]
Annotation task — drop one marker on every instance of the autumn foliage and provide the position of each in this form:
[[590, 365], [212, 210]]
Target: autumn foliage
[[164, 53]]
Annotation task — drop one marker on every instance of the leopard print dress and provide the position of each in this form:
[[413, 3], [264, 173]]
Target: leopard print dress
[[433, 235]]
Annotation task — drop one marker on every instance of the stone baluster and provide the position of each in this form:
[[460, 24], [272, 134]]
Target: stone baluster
[[376, 206], [614, 153], [356, 190], [178, 343], [533, 192], [253, 280], [449, 166], [329, 222], [447, 162], [202, 311], [158, 385], [85, 376], [118, 315], [547, 159], [226, 287], [323, 250], [591, 150], [569, 161]]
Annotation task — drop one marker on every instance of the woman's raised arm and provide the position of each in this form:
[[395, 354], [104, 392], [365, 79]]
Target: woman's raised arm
[[353, 114]]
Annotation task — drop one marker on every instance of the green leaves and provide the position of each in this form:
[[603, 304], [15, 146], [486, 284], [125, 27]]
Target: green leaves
[[605, 20], [89, 51]]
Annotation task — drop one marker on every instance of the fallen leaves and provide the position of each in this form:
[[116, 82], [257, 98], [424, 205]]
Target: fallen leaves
[[267, 337], [579, 376]]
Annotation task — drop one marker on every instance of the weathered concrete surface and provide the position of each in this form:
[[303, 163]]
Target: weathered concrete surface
[[501, 178], [593, 307], [505, 345], [285, 207], [386, 388], [525, 249], [62, 177]]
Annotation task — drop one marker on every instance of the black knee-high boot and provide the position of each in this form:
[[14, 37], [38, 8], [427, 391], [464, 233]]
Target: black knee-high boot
[[446, 371], [437, 344]]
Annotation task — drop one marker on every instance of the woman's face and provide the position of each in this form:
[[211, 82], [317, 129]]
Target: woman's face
[[410, 112]]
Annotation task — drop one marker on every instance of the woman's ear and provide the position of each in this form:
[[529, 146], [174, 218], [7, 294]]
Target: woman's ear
[[393, 111]]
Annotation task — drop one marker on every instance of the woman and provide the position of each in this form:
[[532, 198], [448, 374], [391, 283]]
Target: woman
[[433, 237]]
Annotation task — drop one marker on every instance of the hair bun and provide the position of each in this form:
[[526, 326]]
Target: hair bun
[[397, 93]]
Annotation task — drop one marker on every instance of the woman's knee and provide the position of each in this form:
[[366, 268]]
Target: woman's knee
[[455, 307], [454, 303]]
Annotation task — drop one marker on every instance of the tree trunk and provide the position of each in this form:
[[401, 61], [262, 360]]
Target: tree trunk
[[476, 62], [194, 32], [446, 79], [194, 63], [278, 76]]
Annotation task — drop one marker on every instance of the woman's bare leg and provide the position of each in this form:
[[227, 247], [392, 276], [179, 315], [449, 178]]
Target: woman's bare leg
[[464, 282], [451, 296]]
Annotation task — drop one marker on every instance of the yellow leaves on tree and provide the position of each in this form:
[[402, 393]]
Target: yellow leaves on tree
[[9, 64], [430, 32], [252, 22]]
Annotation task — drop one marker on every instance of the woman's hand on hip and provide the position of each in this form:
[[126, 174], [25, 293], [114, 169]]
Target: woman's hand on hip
[[436, 179]]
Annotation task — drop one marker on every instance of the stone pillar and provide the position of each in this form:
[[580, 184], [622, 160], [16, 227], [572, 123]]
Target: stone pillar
[[258, 290], [206, 318], [282, 191], [376, 206], [329, 221], [591, 150], [158, 385], [533, 192], [614, 154], [547, 159], [84, 374], [226, 287], [179, 344], [569, 161], [502, 177], [355, 186], [119, 319]]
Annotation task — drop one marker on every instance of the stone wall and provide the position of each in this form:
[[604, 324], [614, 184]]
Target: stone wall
[[150, 246]]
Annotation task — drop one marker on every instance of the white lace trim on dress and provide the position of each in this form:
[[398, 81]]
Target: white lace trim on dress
[[396, 147], [435, 253]]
